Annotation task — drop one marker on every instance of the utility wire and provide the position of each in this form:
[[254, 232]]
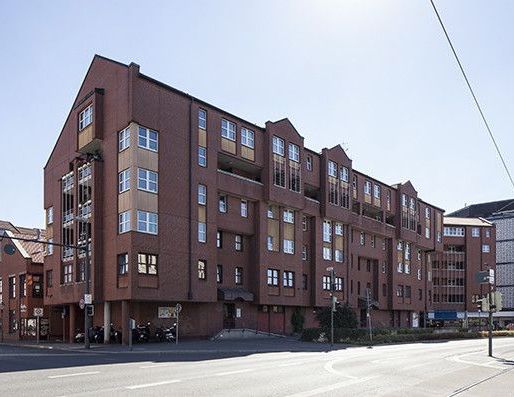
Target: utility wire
[[473, 94]]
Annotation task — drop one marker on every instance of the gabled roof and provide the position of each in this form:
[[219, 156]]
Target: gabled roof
[[485, 209], [28, 249], [453, 221]]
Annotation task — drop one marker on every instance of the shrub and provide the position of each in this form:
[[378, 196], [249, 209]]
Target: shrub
[[344, 317], [297, 320]]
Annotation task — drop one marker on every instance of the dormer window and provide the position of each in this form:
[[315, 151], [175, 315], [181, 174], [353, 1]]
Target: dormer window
[[86, 117]]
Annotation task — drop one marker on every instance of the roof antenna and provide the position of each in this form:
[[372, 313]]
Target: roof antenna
[[345, 146]]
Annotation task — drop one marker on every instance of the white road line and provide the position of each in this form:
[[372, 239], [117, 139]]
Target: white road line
[[165, 382], [325, 389], [156, 365], [241, 371], [329, 367], [74, 374], [292, 364]]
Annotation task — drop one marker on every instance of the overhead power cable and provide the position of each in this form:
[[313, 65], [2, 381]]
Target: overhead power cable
[[473, 95]]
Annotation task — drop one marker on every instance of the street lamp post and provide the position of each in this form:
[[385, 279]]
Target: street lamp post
[[85, 247], [332, 304]]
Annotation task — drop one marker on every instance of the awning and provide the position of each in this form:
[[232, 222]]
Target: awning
[[232, 294]]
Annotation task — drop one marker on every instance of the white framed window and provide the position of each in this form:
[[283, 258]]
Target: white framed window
[[363, 238], [147, 180], [486, 248], [124, 181], [327, 231], [288, 216], [202, 232], [86, 117], [202, 194], [294, 152], [271, 214], [228, 129], [419, 274], [376, 191], [272, 277], [244, 208], [304, 223], [427, 232], [326, 283], [487, 233], [427, 213], [247, 138], [124, 222], [419, 255], [123, 139], [49, 215], [147, 222], [407, 251], [238, 240], [373, 239], [269, 242], [475, 232], [288, 279], [148, 139], [202, 156], [412, 203], [338, 283], [304, 253], [327, 253], [338, 229], [222, 203], [344, 175], [332, 169], [288, 246], [338, 255], [278, 145], [453, 231], [50, 247], [367, 187], [202, 119], [404, 200], [309, 163]]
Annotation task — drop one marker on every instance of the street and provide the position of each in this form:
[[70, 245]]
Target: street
[[261, 368]]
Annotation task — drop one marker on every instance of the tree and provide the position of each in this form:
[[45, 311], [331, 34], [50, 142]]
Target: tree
[[297, 321], [344, 317]]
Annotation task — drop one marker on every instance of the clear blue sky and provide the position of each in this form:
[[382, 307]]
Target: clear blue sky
[[376, 76]]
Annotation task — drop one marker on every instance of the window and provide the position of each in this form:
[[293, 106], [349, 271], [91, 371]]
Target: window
[[247, 138], [304, 223], [219, 239], [427, 232], [485, 248], [228, 130], [412, 203], [49, 281], [427, 213], [85, 117], [239, 275], [304, 253], [202, 194], [420, 294], [338, 254], [219, 274], [404, 200], [147, 180], [373, 239], [202, 232], [475, 232], [339, 229], [309, 163], [453, 231], [269, 241], [408, 291], [419, 274], [278, 146], [202, 269], [202, 156], [327, 231], [327, 253], [338, 283], [123, 139], [147, 264], [271, 213], [288, 246], [399, 291], [147, 222], [344, 174], [376, 191], [419, 254], [23, 285], [238, 242], [288, 216], [273, 277], [148, 139], [50, 247], [326, 283], [122, 264], [362, 238], [202, 119], [124, 181], [222, 203], [244, 208], [67, 277], [487, 233], [288, 279], [124, 222], [384, 289], [294, 152], [305, 281], [367, 187], [49, 215], [332, 169]]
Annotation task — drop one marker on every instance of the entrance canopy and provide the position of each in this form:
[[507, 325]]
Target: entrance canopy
[[232, 294]]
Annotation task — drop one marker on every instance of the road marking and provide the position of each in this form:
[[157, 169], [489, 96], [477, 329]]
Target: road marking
[[165, 382], [156, 365], [291, 364], [241, 371], [74, 374], [325, 389], [329, 367]]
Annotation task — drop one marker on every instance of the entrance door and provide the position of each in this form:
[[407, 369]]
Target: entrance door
[[229, 315]]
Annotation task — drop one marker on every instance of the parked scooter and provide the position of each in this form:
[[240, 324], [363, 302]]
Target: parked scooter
[[141, 333], [168, 334]]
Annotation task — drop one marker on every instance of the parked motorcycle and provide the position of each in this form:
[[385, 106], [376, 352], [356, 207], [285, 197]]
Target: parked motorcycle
[[168, 334], [141, 333]]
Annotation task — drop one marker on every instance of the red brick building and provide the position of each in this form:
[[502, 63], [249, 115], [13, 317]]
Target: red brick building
[[21, 282], [469, 247], [188, 203]]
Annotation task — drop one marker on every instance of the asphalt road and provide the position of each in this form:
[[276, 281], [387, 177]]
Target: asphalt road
[[257, 368]]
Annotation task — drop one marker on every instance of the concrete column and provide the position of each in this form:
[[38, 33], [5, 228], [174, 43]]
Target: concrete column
[[125, 317], [73, 312], [107, 321]]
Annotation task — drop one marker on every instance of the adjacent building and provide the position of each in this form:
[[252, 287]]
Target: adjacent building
[[501, 214], [180, 201], [21, 282]]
